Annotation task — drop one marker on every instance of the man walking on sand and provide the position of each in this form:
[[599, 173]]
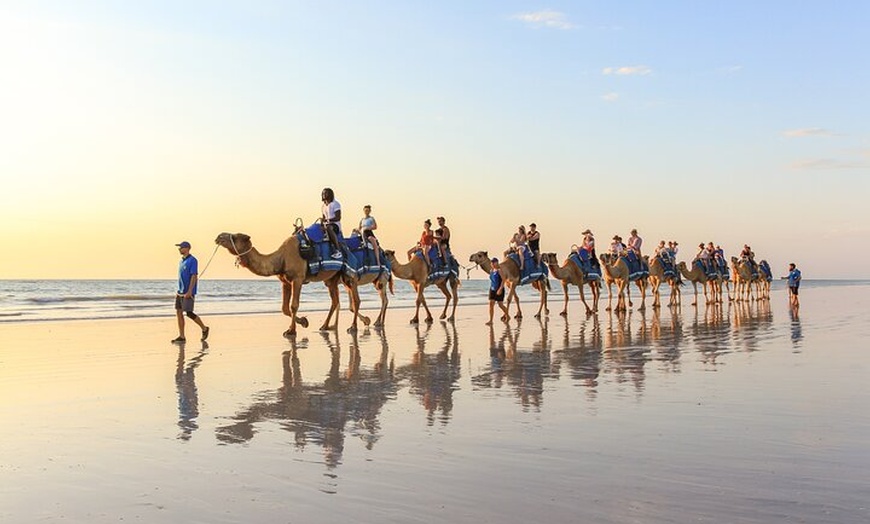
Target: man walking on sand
[[188, 272]]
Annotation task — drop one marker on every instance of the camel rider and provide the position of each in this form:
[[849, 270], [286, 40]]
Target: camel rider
[[534, 238], [634, 243], [367, 225], [518, 244], [704, 256], [331, 216], [588, 245], [748, 256], [662, 252], [442, 236], [427, 238], [719, 253], [617, 248]]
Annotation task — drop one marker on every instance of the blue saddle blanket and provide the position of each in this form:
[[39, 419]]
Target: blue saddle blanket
[[584, 262], [709, 270], [668, 268], [637, 267], [531, 271], [353, 256], [439, 268], [722, 267]]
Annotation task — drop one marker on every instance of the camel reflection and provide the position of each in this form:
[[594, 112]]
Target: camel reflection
[[753, 322], [321, 413], [433, 377], [522, 370], [666, 339], [188, 397], [626, 353], [582, 354], [711, 334]]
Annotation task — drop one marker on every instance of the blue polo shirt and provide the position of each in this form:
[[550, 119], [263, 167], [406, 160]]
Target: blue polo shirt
[[187, 267], [494, 280], [794, 277]]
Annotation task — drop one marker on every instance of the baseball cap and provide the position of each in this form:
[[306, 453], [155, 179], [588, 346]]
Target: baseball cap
[[184, 244]]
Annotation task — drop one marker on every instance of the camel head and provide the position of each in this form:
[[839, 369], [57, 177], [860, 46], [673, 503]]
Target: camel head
[[550, 258], [234, 243], [390, 254], [479, 257], [682, 265]]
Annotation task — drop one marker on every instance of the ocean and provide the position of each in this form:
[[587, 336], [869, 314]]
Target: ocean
[[52, 300]]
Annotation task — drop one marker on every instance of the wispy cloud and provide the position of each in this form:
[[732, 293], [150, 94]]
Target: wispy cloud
[[729, 70], [639, 70], [806, 131], [610, 97], [814, 164], [545, 18]]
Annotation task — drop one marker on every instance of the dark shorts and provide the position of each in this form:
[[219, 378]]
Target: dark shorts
[[368, 234], [498, 297], [793, 289], [184, 304]]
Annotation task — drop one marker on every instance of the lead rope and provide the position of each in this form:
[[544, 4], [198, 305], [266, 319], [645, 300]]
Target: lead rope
[[239, 255], [209, 261]]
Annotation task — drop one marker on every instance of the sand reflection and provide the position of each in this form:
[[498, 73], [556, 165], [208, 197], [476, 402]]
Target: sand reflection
[[188, 397], [433, 376], [321, 413]]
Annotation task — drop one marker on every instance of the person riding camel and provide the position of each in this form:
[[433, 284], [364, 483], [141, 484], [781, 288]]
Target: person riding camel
[[634, 243], [588, 245], [518, 244], [331, 217], [534, 238], [704, 256], [617, 248], [427, 239], [367, 226], [442, 237]]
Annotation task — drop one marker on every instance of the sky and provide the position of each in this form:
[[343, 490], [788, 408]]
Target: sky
[[127, 127]]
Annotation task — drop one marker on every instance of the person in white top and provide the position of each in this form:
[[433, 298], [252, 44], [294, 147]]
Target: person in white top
[[367, 225], [617, 248], [331, 213]]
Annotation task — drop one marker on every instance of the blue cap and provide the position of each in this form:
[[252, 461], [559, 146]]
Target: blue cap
[[184, 244]]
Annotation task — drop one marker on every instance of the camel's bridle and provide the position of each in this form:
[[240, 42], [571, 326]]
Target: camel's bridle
[[239, 255]]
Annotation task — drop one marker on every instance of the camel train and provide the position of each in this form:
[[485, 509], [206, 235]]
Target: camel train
[[304, 257]]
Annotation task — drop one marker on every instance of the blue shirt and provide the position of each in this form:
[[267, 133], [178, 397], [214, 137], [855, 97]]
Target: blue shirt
[[494, 280], [794, 277], [186, 269]]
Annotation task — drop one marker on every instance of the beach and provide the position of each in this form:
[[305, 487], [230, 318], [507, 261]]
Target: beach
[[742, 413]]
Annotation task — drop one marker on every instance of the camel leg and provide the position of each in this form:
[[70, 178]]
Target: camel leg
[[420, 300], [382, 291], [290, 292], [355, 300], [513, 295], [334, 306], [642, 285], [354, 306], [454, 288], [442, 286], [609, 296]]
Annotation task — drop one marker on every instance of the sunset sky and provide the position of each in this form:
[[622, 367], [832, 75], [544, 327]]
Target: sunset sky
[[126, 127]]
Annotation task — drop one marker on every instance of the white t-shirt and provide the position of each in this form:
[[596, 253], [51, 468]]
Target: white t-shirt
[[329, 211]]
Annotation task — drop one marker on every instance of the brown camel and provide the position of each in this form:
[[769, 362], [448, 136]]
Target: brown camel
[[417, 272], [618, 273], [656, 277], [570, 274], [292, 270], [698, 276], [763, 282], [742, 275], [510, 271]]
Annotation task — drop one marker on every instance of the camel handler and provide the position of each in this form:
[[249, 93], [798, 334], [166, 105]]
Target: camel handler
[[331, 216], [188, 273], [794, 283], [496, 292]]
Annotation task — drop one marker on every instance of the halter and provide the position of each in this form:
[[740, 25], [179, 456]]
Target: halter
[[239, 255]]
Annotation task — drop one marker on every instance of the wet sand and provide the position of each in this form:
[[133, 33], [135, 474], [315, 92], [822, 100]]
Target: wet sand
[[747, 414]]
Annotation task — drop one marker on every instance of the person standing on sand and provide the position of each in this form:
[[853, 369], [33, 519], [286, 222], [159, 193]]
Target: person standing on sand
[[794, 282], [496, 292], [188, 273]]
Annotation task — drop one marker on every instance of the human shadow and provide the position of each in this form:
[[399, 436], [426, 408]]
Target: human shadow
[[185, 386]]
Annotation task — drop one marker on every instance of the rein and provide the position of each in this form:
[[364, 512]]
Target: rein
[[209, 261], [239, 255]]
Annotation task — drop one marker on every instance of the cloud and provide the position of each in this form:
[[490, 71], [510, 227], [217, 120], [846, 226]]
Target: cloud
[[545, 18], [610, 97], [639, 70], [730, 70], [814, 164], [806, 131]]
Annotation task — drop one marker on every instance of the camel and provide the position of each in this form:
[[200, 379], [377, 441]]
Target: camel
[[570, 273], [510, 271], [417, 272], [697, 276], [763, 281], [618, 273], [292, 270], [381, 281], [743, 280], [656, 277]]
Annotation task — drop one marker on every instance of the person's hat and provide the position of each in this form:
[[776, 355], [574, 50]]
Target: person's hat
[[184, 244], [587, 232], [439, 218], [615, 237], [533, 225]]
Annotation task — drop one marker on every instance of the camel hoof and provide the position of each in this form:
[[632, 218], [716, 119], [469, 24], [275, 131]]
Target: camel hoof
[[538, 315], [429, 320], [518, 316], [290, 333], [366, 321], [302, 321], [352, 329], [442, 317], [563, 314], [415, 320]]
